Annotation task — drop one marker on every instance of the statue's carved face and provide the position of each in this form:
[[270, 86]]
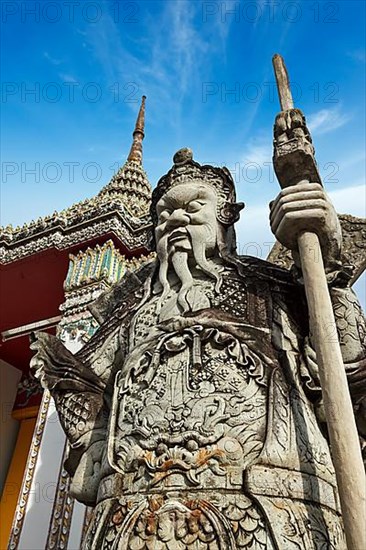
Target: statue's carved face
[[186, 236], [187, 215]]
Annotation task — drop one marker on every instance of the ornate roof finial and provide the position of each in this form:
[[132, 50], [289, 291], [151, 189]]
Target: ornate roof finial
[[130, 183], [138, 135]]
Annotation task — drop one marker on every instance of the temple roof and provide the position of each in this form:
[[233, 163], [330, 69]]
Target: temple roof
[[130, 184], [121, 209]]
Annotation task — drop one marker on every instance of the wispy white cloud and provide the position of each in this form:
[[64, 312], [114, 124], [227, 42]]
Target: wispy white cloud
[[350, 200], [327, 120], [180, 63], [358, 55], [223, 22], [259, 149], [164, 65], [258, 153], [67, 77], [351, 160], [52, 59]]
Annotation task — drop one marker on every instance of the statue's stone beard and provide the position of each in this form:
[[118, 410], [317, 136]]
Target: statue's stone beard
[[184, 258]]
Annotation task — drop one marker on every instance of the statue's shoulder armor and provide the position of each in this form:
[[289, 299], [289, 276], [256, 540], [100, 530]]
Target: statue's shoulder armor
[[106, 305], [285, 290], [266, 271], [110, 308]]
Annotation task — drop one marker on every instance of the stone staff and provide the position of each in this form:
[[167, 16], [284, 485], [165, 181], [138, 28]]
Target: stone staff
[[294, 163]]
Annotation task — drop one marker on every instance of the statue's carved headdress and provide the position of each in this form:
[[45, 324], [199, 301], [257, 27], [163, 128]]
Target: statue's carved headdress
[[186, 170]]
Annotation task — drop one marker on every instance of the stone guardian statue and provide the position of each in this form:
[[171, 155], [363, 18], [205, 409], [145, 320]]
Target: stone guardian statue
[[194, 414]]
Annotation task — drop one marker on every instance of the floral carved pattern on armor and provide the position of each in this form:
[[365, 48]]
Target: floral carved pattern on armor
[[165, 523]]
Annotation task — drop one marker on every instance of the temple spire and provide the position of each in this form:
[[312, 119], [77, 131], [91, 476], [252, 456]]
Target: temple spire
[[138, 135], [130, 184]]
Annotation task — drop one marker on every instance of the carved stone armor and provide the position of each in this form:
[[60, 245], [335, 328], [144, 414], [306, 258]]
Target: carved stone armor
[[213, 441]]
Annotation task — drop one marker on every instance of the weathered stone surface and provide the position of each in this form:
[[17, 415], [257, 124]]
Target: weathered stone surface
[[194, 413]]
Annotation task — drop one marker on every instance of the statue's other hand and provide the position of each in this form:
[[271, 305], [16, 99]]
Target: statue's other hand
[[306, 207], [78, 392], [57, 368], [41, 362]]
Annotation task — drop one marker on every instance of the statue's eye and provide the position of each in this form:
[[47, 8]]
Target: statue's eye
[[194, 206]]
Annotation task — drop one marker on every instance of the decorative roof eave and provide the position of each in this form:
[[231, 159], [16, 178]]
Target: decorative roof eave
[[124, 203], [62, 236]]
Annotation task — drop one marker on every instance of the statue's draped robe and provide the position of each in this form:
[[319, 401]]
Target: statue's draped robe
[[213, 439]]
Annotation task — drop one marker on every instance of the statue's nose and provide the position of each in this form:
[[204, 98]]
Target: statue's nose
[[177, 218]]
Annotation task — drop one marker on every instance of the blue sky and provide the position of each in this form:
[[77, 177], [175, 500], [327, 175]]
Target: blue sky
[[205, 67]]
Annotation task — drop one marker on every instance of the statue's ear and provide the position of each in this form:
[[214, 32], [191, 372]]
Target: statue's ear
[[229, 212]]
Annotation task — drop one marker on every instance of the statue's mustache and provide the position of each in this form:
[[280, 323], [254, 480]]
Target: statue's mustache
[[177, 234]]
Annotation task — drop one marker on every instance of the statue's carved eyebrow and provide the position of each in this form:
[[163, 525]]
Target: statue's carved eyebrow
[[171, 202], [174, 203]]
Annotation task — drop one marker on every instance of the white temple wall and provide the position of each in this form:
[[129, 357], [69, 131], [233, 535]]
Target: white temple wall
[[76, 526], [42, 491]]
